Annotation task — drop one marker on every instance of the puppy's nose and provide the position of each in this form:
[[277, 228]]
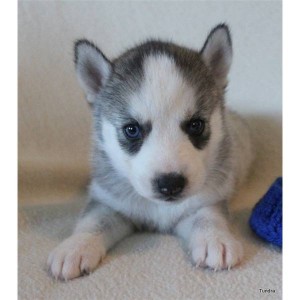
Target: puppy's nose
[[170, 184]]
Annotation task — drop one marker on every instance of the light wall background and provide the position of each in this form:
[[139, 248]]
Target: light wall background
[[54, 119]]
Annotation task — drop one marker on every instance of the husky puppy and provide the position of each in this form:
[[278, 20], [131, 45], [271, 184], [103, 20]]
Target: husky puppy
[[166, 152]]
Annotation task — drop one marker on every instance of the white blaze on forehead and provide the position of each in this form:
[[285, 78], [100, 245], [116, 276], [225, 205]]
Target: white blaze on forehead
[[164, 92]]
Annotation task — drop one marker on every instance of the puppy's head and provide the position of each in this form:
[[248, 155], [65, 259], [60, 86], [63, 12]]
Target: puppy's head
[[158, 111]]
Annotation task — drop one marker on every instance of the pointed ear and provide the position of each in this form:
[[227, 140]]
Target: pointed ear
[[92, 68], [217, 53]]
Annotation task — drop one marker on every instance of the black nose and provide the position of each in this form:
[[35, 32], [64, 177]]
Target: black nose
[[171, 184]]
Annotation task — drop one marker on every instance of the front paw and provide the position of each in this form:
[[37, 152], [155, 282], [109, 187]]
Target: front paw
[[78, 255], [216, 250]]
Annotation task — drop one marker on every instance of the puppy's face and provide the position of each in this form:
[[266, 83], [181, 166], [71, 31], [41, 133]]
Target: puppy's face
[[158, 111]]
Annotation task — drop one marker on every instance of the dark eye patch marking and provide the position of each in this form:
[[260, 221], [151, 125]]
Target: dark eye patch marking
[[198, 138], [132, 146]]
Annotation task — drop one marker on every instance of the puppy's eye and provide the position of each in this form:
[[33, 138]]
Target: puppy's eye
[[132, 131], [195, 127]]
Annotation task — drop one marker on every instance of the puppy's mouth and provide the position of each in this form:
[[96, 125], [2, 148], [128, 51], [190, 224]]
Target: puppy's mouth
[[170, 198]]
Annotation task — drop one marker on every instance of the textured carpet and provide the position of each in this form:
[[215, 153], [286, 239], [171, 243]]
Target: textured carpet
[[143, 266]]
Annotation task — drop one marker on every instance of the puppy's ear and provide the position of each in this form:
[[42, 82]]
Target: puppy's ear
[[217, 53], [92, 68]]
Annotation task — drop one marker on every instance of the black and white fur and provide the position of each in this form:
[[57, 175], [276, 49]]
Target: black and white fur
[[190, 153]]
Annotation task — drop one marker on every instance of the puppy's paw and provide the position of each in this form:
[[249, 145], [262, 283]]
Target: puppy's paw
[[78, 255], [215, 250]]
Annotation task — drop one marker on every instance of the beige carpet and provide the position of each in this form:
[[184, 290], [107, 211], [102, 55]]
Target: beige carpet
[[144, 266]]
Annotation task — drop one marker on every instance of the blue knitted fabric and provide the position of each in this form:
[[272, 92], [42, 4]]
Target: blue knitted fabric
[[266, 217]]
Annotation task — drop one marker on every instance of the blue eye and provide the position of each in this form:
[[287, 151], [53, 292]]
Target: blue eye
[[195, 127], [132, 131]]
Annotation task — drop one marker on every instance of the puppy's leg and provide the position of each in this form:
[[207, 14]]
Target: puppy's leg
[[97, 230], [209, 239]]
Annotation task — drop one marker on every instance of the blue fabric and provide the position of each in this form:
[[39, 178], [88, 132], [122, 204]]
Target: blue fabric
[[266, 217]]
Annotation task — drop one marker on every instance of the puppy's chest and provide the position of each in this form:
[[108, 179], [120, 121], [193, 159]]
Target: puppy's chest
[[150, 216]]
